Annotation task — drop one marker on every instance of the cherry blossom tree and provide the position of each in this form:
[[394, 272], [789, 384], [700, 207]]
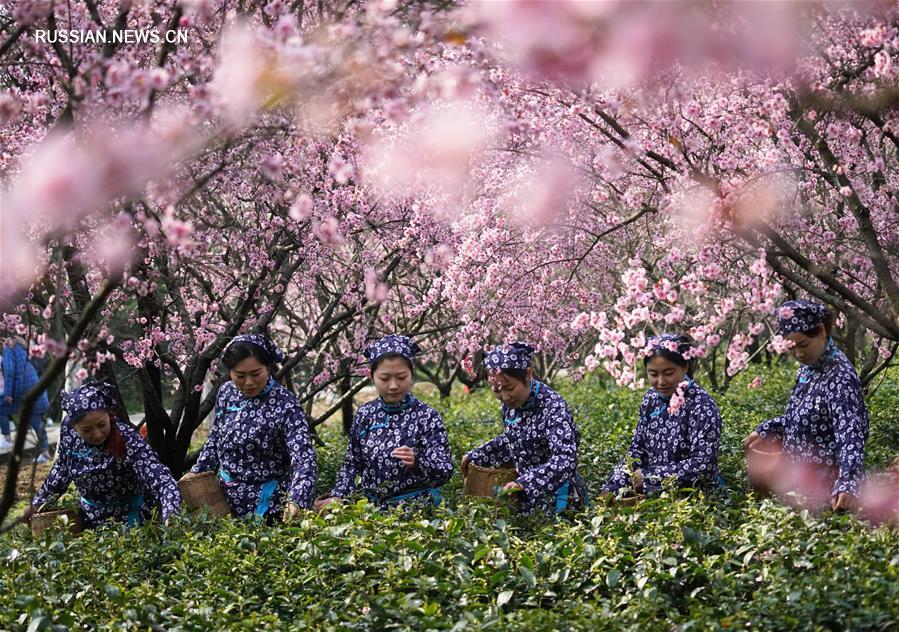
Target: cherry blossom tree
[[577, 174]]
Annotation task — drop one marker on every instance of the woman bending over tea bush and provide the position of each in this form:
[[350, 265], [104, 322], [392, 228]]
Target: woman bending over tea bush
[[259, 444], [117, 474], [540, 438]]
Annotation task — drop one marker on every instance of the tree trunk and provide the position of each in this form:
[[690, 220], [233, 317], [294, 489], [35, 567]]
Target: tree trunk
[[346, 410]]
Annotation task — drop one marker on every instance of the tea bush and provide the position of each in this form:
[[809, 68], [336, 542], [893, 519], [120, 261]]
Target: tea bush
[[721, 561]]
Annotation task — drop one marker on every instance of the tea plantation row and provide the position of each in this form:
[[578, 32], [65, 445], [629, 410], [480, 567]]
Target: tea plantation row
[[674, 563]]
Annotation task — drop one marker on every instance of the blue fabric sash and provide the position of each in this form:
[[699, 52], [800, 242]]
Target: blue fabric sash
[[134, 504], [434, 492], [562, 497], [266, 491], [375, 426], [563, 494]]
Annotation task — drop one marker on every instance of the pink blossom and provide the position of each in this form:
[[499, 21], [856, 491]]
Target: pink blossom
[[537, 199], [328, 230], [301, 208], [177, 232], [677, 399], [712, 271], [239, 80], [580, 322], [375, 290], [872, 37], [883, 65], [276, 8], [322, 377], [779, 344], [272, 166], [341, 170], [440, 257], [879, 499], [159, 78], [115, 244], [10, 106], [435, 148]]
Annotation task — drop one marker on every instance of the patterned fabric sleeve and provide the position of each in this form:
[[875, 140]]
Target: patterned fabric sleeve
[[704, 428], [435, 460], [635, 454], [850, 426], [152, 473], [352, 463], [57, 482], [302, 457], [561, 435], [772, 427], [208, 460], [494, 453]]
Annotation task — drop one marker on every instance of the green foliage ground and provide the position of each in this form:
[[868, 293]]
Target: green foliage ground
[[697, 562]]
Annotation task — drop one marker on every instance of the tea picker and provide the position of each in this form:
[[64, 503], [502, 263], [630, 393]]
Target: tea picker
[[678, 433], [259, 447], [117, 474], [397, 449], [540, 439], [825, 426]]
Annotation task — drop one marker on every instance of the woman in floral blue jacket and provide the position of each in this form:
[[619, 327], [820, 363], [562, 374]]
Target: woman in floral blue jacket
[[260, 444], [398, 450], [825, 424], [540, 438], [117, 474], [679, 429]]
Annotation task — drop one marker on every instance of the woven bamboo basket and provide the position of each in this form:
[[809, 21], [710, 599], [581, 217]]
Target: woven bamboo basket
[[203, 490], [630, 501], [763, 461], [57, 518], [484, 481]]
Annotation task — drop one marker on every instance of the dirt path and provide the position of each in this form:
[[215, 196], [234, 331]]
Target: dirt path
[[23, 484]]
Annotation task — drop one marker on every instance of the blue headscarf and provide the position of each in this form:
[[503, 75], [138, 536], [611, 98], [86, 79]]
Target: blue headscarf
[[263, 342], [394, 343], [88, 398], [516, 355], [795, 316]]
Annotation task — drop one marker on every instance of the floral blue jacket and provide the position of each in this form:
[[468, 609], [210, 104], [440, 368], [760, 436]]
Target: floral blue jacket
[[681, 447], [826, 421], [262, 449]]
